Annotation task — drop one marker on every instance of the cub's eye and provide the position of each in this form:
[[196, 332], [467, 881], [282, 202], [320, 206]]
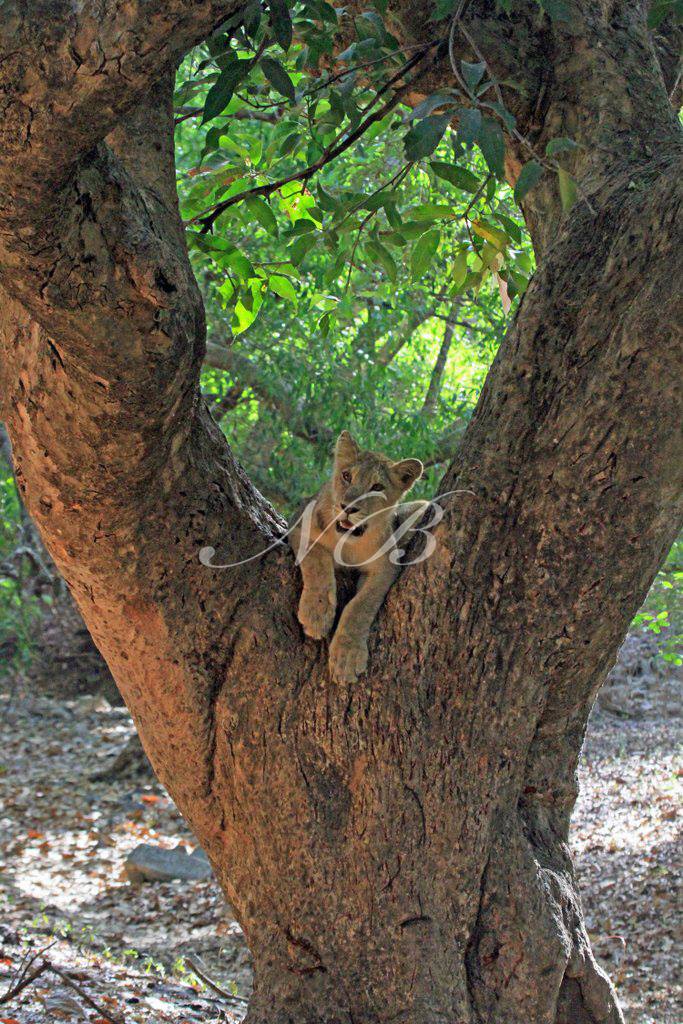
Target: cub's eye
[[346, 476], [377, 487]]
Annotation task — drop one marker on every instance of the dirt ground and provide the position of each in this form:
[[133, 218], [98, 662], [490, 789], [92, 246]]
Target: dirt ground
[[64, 838]]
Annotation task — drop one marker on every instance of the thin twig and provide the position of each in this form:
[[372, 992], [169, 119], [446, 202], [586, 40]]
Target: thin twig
[[358, 67], [452, 58], [83, 994], [397, 179], [200, 971], [335, 149], [184, 113], [27, 979], [361, 228], [477, 194], [23, 968]]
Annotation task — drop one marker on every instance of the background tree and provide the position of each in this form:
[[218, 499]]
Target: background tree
[[395, 850]]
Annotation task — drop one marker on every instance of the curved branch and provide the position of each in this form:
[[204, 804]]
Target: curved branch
[[138, 477]]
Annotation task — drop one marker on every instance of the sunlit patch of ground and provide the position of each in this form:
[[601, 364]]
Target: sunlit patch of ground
[[63, 842], [626, 841], [64, 838]]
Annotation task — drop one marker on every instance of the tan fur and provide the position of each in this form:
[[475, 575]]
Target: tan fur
[[356, 473]]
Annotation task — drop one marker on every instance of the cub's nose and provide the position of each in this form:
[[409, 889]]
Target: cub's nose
[[350, 509]]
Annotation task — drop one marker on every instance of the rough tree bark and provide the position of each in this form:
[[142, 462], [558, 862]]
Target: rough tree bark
[[396, 850]]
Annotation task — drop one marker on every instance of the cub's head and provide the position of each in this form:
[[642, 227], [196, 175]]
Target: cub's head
[[365, 482]]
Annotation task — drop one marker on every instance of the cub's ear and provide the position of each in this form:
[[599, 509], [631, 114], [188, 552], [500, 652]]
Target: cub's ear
[[346, 449], [407, 472]]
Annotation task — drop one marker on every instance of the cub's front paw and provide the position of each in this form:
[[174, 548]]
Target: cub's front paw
[[348, 658], [316, 612]]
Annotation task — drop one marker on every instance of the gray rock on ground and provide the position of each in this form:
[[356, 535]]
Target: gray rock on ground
[[147, 863]]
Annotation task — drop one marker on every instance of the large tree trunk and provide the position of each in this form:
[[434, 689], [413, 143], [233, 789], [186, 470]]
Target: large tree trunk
[[396, 850]]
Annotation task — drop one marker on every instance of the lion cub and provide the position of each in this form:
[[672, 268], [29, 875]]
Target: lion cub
[[353, 516]]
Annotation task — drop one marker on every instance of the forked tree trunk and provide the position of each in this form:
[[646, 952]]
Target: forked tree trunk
[[396, 850]]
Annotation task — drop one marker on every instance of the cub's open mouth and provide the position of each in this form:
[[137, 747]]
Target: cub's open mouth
[[346, 526]]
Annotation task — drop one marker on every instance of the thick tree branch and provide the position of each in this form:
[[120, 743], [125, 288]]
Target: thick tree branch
[[128, 324], [71, 71]]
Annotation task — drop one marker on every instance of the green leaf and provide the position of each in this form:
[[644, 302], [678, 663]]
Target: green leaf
[[333, 272], [455, 175], [324, 302], [424, 252], [242, 317], [300, 249], [250, 16], [278, 77], [370, 25], [508, 119], [393, 216], [381, 255], [568, 191], [425, 136], [261, 211], [512, 228], [379, 200], [472, 73], [283, 287], [326, 200], [491, 233], [239, 185], [492, 145], [431, 103], [289, 143], [220, 93], [472, 280], [460, 267], [412, 229], [240, 264], [561, 145], [324, 325], [364, 49], [396, 238], [303, 226], [470, 125], [323, 11], [281, 21], [431, 211], [529, 176]]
